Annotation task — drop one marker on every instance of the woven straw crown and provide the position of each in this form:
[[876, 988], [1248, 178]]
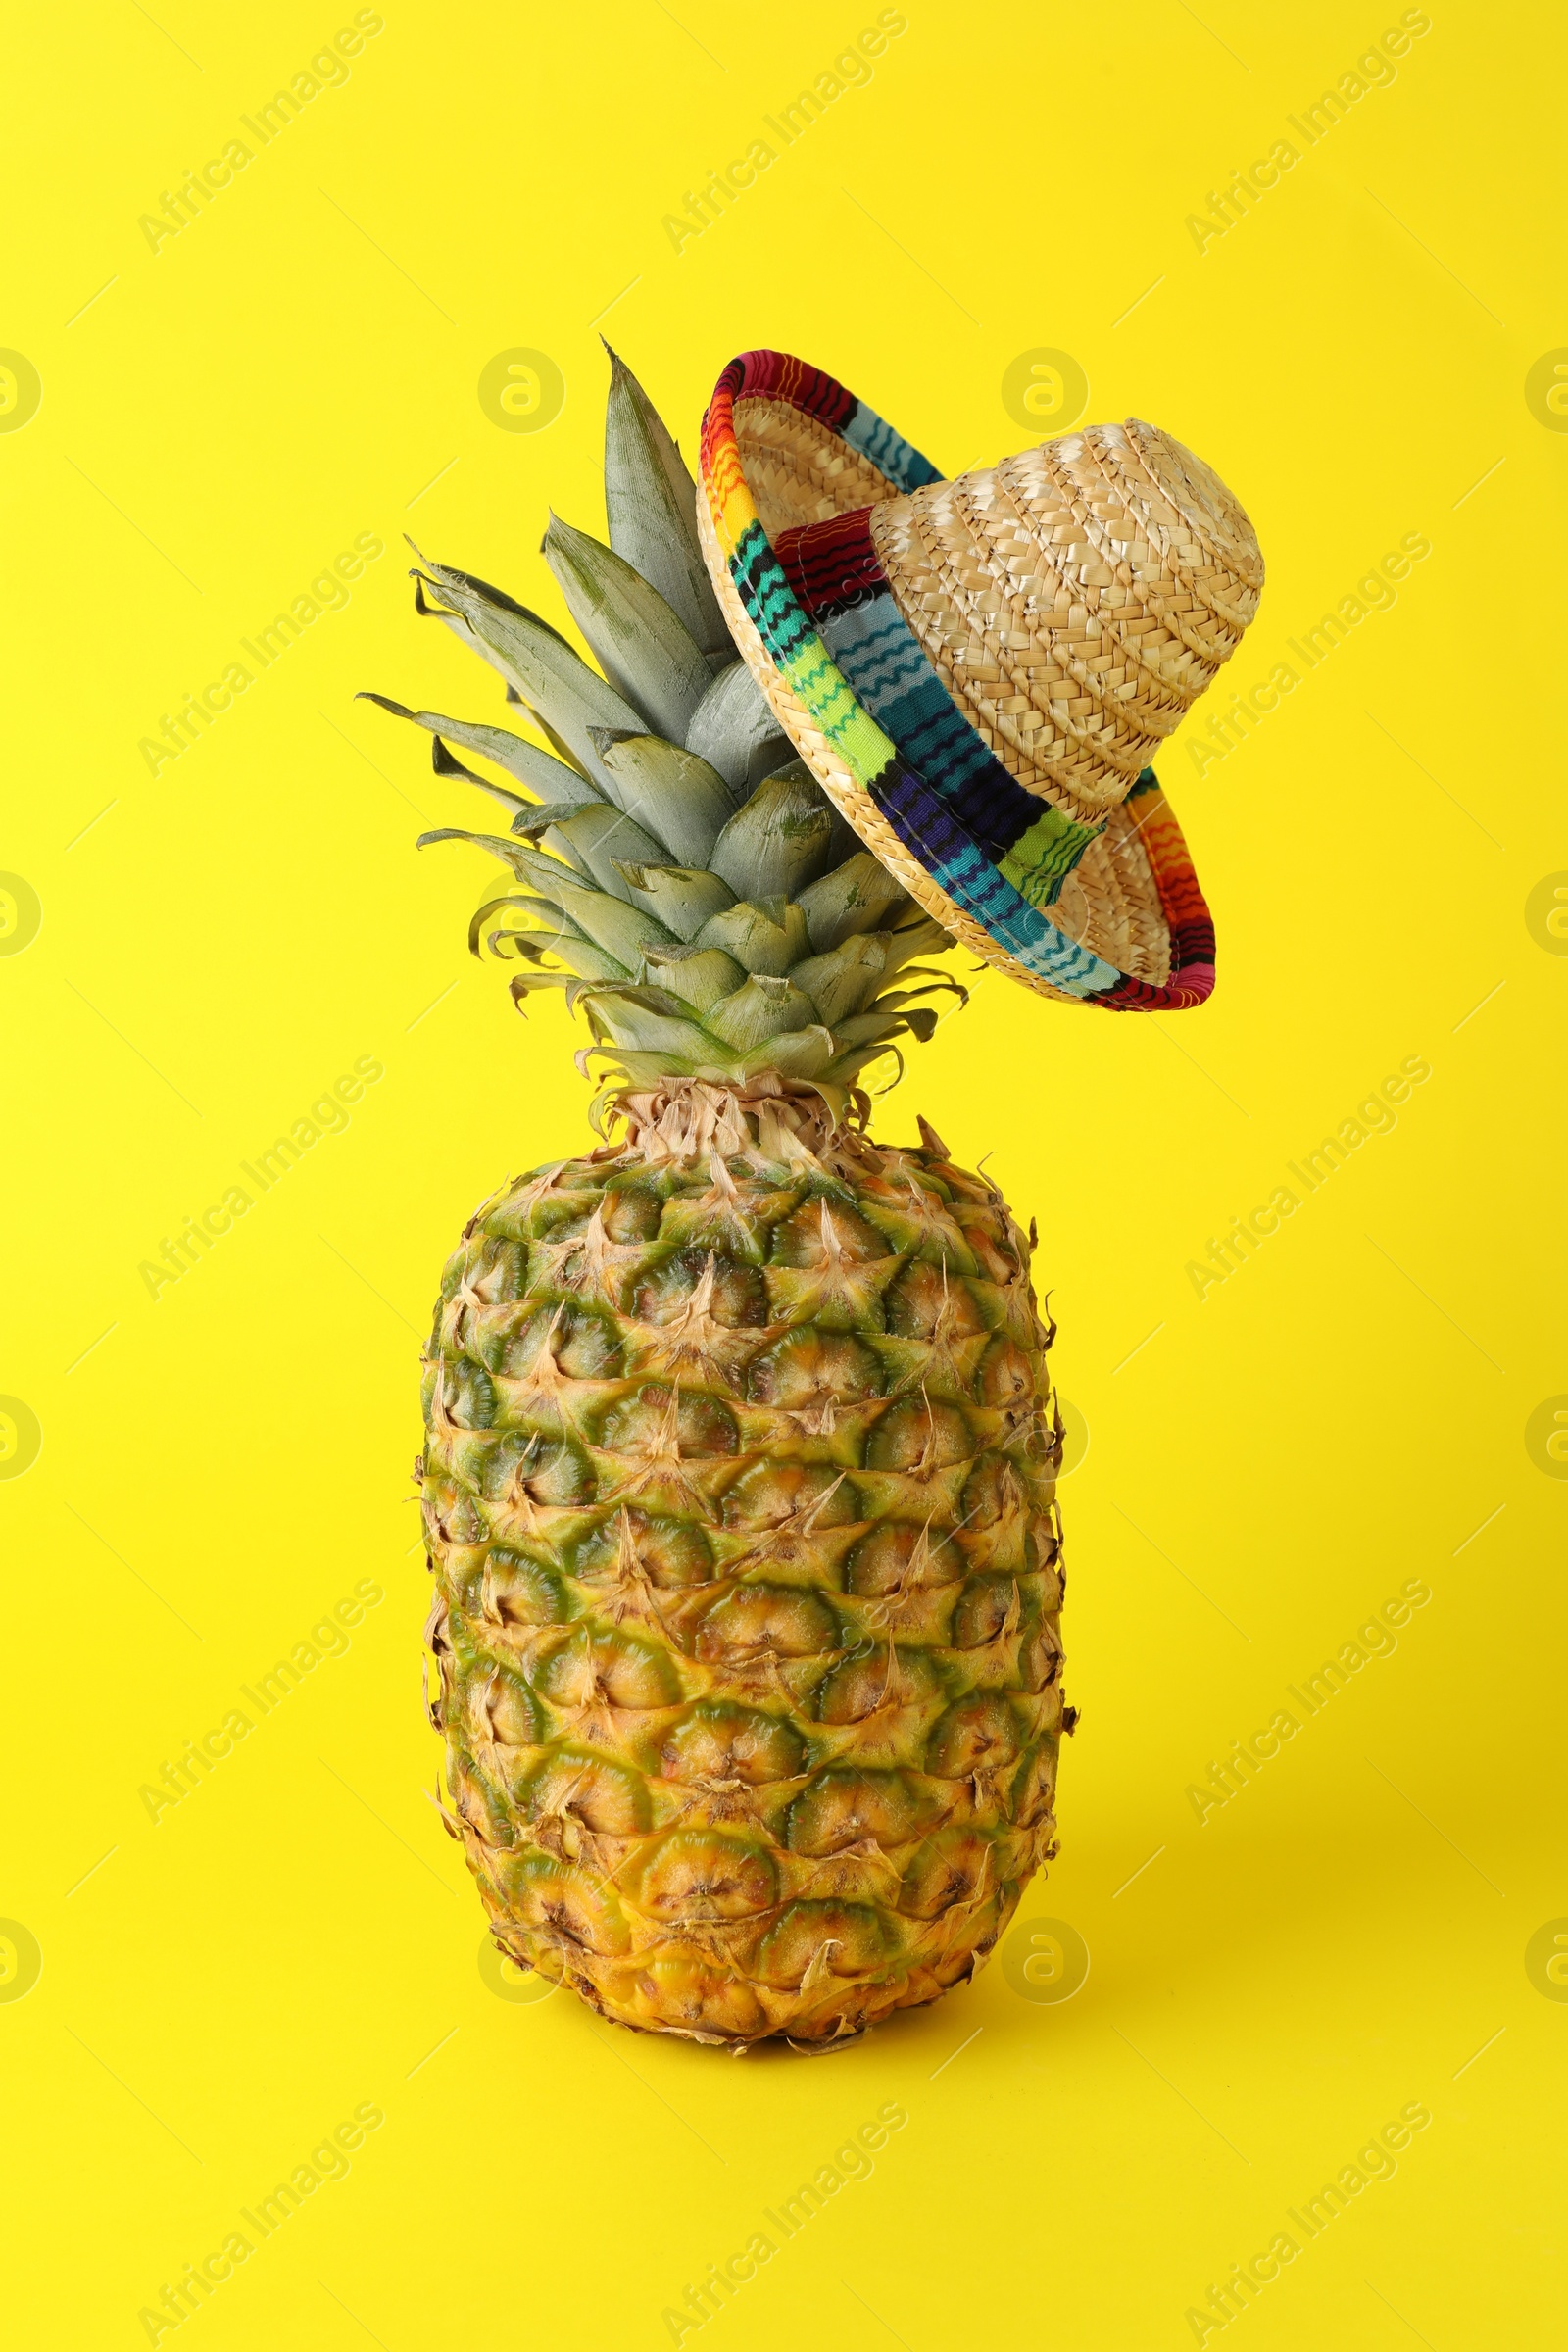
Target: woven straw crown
[[979, 672]]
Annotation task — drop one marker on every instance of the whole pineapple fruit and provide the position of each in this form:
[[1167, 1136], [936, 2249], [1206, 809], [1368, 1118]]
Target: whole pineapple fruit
[[739, 1473]]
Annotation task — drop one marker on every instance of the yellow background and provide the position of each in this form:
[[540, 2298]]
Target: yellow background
[[221, 1465]]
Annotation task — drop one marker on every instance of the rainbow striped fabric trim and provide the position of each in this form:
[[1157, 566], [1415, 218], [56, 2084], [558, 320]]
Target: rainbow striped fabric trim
[[824, 611]]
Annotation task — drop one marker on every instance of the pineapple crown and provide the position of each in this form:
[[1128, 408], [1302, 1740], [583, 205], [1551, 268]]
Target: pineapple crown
[[677, 870]]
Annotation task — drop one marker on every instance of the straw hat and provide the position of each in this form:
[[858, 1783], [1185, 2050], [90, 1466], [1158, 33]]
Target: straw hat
[[979, 672]]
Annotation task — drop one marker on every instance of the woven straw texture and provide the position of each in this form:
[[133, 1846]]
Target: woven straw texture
[[979, 672], [1073, 609]]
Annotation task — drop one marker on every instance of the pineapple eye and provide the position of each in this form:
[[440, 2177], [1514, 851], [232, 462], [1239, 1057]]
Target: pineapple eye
[[915, 1435], [605, 1797], [588, 1348], [738, 1299], [876, 1680], [926, 1302], [494, 1269], [722, 1742], [567, 1905], [954, 1867], [1005, 1378], [767, 1619], [814, 1367], [670, 1554], [843, 1807], [982, 1611], [977, 1735], [631, 1213], [990, 1493], [658, 1421], [841, 1939], [468, 1394], [771, 1493], [698, 1876], [825, 1229], [521, 1592], [899, 1557]]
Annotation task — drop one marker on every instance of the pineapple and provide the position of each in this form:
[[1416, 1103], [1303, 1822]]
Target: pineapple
[[740, 1455]]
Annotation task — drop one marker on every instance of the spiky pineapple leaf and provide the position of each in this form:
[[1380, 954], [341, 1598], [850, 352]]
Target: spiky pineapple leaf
[[557, 927], [651, 508], [643, 646], [853, 897], [683, 897], [533, 768], [761, 1009], [628, 1022], [801, 1053], [530, 822], [551, 677], [700, 976], [842, 981], [780, 841], [762, 939], [601, 837], [670, 791], [522, 860], [735, 732]]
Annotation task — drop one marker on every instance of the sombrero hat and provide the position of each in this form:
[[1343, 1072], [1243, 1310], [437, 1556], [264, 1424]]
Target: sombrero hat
[[978, 671]]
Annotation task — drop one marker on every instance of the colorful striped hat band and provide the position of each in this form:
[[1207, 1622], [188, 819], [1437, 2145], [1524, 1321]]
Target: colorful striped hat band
[[979, 672]]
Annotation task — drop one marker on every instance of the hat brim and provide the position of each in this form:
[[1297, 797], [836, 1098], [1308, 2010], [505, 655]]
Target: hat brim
[[1136, 902]]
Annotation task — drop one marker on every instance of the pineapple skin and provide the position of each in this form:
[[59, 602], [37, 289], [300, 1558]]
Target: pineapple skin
[[739, 1491]]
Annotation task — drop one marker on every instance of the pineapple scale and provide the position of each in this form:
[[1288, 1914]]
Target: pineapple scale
[[739, 1491]]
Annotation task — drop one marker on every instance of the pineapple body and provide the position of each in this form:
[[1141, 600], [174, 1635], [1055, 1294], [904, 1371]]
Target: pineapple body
[[739, 1493]]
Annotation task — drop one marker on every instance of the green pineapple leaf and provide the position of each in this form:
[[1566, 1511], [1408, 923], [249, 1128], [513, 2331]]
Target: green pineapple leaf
[[762, 939], [551, 677], [644, 649], [855, 896], [780, 841], [735, 732], [761, 1009], [651, 506], [674, 794], [597, 839], [682, 896], [533, 768], [698, 975], [843, 981]]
